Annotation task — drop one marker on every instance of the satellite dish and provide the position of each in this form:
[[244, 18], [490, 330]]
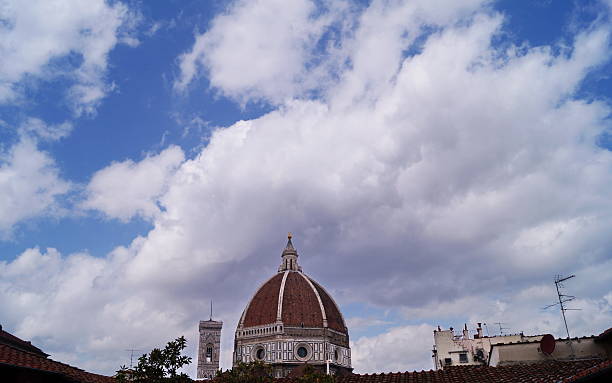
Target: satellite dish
[[547, 344]]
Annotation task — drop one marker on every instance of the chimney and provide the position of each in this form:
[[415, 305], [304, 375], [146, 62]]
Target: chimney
[[466, 335], [479, 330]]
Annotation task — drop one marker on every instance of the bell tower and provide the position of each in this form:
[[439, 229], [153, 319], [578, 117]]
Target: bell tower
[[209, 347]]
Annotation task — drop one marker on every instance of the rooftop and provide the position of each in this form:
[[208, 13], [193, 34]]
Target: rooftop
[[11, 340], [546, 372], [17, 354]]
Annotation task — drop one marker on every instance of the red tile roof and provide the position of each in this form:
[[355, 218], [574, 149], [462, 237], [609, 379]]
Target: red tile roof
[[604, 335], [334, 318], [12, 340], [603, 369], [14, 357], [263, 307], [300, 303], [546, 372]]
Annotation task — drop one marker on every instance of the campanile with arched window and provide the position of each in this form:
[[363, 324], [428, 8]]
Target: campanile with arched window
[[209, 348]]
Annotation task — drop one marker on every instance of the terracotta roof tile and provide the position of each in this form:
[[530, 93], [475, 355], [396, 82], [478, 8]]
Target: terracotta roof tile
[[601, 368], [604, 335], [263, 307], [12, 356], [547, 372], [300, 304], [12, 340], [334, 318]]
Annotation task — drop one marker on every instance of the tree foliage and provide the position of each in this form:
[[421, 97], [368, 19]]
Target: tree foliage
[[312, 375], [159, 366], [259, 372], [253, 372]]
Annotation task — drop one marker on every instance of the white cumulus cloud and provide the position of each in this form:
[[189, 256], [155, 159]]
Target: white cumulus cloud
[[402, 348], [460, 172], [127, 189], [42, 40], [30, 185], [263, 49]]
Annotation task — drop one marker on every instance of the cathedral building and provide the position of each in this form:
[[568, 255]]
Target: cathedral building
[[291, 321]]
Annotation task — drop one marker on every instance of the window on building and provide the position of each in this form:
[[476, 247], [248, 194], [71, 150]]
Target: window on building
[[448, 361], [260, 354], [463, 358], [209, 352], [302, 352], [480, 355]]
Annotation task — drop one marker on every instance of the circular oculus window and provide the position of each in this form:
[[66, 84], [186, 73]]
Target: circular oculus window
[[260, 353], [303, 352]]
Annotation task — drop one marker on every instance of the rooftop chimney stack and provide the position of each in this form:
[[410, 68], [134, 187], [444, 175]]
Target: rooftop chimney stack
[[479, 330], [466, 334]]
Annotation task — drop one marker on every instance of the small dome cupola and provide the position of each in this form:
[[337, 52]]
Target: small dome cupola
[[289, 258]]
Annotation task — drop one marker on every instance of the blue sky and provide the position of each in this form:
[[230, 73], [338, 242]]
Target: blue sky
[[427, 157], [144, 114]]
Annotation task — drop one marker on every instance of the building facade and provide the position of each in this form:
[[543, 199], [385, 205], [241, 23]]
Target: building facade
[[584, 348], [452, 350], [291, 321], [209, 348]]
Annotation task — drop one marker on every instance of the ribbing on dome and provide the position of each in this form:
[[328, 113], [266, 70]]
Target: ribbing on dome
[[294, 299], [292, 320]]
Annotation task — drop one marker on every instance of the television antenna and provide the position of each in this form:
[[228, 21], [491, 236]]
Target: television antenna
[[563, 299], [131, 350], [501, 329]]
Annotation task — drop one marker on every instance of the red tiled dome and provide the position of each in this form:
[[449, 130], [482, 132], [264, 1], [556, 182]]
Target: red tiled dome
[[296, 300], [292, 320]]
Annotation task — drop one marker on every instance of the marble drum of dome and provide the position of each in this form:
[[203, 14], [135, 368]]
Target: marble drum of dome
[[290, 321]]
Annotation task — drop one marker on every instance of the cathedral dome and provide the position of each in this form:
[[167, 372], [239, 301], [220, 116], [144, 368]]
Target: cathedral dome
[[294, 299], [292, 320]]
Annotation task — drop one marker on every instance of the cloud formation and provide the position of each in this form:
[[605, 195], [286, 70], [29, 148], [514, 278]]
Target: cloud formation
[[40, 41], [265, 50], [403, 348], [436, 167], [30, 183], [37, 128], [44, 40], [126, 189]]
